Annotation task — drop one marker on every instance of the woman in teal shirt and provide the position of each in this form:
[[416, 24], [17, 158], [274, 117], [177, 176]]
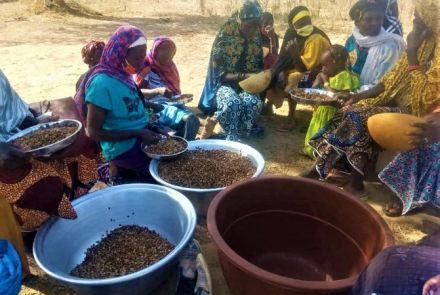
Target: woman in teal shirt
[[115, 110]]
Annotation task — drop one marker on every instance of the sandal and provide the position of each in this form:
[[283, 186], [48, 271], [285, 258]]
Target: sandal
[[286, 127], [258, 132], [396, 206]]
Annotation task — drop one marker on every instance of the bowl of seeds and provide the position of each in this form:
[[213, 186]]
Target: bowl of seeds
[[166, 149], [207, 168], [47, 138], [125, 240], [314, 97]]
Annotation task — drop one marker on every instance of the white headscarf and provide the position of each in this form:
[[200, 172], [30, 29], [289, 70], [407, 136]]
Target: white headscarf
[[375, 66]]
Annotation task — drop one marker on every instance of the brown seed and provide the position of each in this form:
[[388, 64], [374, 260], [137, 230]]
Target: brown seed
[[167, 147]]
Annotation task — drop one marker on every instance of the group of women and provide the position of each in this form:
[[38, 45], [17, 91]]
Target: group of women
[[375, 72]]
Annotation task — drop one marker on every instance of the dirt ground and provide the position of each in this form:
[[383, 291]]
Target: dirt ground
[[41, 57]]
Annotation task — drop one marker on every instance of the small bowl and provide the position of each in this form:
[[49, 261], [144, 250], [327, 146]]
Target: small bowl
[[55, 147], [314, 102], [144, 148]]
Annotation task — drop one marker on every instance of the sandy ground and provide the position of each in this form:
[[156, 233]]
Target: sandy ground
[[41, 57]]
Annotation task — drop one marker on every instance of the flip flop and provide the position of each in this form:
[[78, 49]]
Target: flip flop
[[286, 127]]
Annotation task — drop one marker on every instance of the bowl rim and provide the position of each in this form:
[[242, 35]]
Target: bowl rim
[[50, 124], [193, 145], [144, 148], [270, 277], [67, 278]]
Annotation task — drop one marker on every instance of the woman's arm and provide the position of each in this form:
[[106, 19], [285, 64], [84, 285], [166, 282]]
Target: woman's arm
[[95, 121], [352, 98], [235, 78]]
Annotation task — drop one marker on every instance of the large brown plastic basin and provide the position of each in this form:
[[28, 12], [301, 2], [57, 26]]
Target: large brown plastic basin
[[279, 235]]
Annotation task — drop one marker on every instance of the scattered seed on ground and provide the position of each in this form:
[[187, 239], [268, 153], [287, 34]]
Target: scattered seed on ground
[[125, 250], [206, 169]]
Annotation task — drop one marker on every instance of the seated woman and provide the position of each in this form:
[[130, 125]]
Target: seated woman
[[115, 114], [39, 188], [236, 55], [300, 53], [335, 77], [372, 53], [410, 87], [159, 80], [91, 54]]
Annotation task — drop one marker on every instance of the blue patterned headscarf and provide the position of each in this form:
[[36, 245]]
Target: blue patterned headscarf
[[249, 10]]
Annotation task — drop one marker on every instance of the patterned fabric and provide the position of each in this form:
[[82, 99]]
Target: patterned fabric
[[88, 52], [237, 113], [414, 177], [398, 270], [422, 87], [27, 189], [10, 269], [232, 53], [356, 56], [347, 139], [111, 62], [392, 23], [13, 110], [168, 73], [360, 7]]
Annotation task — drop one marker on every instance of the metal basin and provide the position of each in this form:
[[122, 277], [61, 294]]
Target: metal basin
[[60, 244], [283, 235], [201, 198]]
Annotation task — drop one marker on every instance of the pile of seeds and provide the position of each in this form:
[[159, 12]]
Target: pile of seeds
[[313, 95], [167, 147], [124, 250], [206, 169], [44, 137]]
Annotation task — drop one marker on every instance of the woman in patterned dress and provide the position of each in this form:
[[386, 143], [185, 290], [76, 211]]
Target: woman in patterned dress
[[412, 86], [236, 54]]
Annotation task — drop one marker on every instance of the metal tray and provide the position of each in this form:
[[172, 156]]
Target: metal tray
[[55, 147], [313, 102], [144, 148]]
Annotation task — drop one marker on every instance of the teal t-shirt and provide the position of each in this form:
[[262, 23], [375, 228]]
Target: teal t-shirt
[[125, 111]]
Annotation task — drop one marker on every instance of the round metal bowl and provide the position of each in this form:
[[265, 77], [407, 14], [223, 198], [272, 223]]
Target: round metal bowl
[[55, 147], [333, 103], [201, 198], [60, 243], [144, 148]]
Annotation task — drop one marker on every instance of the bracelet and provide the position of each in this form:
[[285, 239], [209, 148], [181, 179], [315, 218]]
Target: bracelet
[[356, 97], [437, 110], [414, 68], [240, 77]]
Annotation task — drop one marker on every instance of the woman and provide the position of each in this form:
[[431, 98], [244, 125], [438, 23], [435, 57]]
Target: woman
[[413, 175], [115, 112], [236, 55], [301, 51], [372, 53], [91, 54], [38, 188], [159, 80], [401, 270], [411, 86]]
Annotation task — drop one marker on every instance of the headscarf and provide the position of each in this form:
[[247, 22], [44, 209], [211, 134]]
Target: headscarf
[[88, 52], [422, 89], [232, 53], [168, 73], [360, 7], [113, 56]]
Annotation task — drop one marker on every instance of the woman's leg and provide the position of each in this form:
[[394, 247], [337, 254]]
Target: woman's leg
[[180, 119], [252, 106], [229, 112]]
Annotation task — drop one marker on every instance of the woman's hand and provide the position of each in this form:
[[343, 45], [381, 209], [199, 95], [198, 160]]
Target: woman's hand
[[428, 132], [164, 92], [11, 157], [270, 32], [161, 131], [148, 136], [345, 99], [293, 48], [432, 286], [49, 119], [415, 39]]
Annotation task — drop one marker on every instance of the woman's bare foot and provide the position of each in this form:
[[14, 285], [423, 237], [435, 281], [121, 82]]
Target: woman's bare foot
[[393, 209]]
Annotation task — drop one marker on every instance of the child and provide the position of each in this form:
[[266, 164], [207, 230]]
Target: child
[[271, 46], [335, 77]]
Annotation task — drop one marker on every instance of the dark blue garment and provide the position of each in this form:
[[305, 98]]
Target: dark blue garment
[[10, 269]]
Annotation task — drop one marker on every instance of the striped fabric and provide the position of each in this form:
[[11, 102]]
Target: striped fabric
[[392, 24], [13, 110]]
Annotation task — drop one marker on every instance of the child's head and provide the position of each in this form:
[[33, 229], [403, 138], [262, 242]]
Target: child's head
[[334, 60], [164, 50], [267, 19]]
